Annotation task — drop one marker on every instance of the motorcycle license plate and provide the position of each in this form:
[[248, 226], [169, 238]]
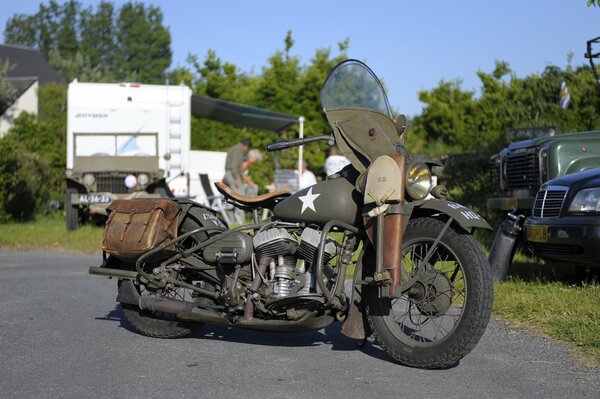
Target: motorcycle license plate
[[537, 233], [94, 199]]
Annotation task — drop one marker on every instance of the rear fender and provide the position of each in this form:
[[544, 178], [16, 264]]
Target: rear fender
[[464, 216]]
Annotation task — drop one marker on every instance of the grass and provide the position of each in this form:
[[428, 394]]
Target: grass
[[557, 301], [49, 233]]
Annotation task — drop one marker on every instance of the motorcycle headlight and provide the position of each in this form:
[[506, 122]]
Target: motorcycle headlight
[[418, 181], [142, 179], [586, 201]]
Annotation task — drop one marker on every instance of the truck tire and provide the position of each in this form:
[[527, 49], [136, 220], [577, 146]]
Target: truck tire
[[71, 211]]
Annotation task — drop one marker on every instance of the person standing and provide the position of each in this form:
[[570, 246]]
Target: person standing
[[335, 161], [249, 187], [234, 165]]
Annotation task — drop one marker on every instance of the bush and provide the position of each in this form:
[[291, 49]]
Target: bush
[[23, 181]]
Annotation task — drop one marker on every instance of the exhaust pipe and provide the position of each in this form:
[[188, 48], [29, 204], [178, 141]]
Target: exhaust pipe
[[129, 296], [503, 247]]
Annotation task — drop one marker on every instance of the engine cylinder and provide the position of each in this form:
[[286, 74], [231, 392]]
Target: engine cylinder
[[309, 246]]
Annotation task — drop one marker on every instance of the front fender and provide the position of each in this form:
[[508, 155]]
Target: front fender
[[464, 216]]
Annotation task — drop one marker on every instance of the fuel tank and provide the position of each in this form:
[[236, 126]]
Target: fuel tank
[[334, 199]]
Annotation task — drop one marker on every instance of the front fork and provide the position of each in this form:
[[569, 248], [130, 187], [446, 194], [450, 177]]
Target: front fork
[[387, 240]]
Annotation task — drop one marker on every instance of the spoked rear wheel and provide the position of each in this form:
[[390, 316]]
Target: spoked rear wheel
[[444, 314], [159, 324]]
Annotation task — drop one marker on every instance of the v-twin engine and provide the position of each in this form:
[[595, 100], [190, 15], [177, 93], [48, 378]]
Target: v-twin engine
[[292, 268]]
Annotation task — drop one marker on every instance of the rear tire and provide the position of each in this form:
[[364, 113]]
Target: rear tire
[[438, 324], [71, 211], [159, 324]]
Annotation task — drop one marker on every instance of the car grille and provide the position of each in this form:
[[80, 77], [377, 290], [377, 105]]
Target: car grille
[[111, 183], [522, 170], [556, 249], [548, 203]]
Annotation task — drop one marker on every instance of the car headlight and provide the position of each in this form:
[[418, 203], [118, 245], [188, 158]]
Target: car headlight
[[142, 179], [88, 179], [130, 181], [586, 201], [418, 181]]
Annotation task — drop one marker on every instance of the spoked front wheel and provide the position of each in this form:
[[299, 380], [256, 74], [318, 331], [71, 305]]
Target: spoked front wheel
[[445, 312]]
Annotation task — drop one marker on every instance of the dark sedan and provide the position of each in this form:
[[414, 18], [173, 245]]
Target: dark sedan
[[565, 222]]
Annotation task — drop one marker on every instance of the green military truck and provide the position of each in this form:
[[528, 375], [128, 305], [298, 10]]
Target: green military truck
[[519, 170]]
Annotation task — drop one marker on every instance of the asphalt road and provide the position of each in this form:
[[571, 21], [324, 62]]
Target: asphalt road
[[61, 336]]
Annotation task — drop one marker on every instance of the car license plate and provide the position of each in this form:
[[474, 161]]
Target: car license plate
[[537, 233], [94, 199]]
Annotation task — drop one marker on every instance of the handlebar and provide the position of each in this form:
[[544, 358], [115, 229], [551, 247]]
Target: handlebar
[[282, 145]]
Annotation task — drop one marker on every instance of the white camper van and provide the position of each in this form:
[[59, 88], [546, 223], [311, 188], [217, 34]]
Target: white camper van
[[124, 140]]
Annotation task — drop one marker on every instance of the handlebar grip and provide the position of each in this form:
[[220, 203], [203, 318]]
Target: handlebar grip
[[281, 145]]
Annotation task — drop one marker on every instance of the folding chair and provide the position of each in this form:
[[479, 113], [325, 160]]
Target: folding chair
[[286, 180], [215, 202]]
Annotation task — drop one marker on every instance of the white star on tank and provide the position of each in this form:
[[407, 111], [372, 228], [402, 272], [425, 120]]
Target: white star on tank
[[308, 200]]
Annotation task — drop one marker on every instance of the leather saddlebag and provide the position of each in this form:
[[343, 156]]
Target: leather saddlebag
[[137, 226]]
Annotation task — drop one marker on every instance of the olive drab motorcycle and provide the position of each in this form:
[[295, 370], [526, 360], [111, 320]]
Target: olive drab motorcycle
[[421, 282]]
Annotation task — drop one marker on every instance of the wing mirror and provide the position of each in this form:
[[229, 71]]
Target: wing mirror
[[400, 124]]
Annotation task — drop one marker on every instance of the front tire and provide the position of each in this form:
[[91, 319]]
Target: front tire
[[71, 211], [438, 321]]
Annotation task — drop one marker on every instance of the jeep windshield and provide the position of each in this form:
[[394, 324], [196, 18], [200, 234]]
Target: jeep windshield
[[115, 145]]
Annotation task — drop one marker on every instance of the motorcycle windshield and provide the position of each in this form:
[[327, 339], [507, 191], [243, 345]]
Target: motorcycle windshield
[[359, 113]]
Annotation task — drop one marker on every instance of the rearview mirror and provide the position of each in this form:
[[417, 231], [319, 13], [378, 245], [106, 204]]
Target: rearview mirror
[[400, 124]]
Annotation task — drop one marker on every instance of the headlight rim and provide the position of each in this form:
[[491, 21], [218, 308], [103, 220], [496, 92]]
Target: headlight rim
[[416, 190]]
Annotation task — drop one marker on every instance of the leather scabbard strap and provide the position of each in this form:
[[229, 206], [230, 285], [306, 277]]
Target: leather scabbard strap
[[392, 235]]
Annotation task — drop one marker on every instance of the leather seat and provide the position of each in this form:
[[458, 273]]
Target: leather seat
[[268, 200]]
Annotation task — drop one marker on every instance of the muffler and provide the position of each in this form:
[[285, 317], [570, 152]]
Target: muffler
[[503, 247], [129, 295]]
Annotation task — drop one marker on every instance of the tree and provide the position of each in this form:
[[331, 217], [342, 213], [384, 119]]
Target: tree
[[284, 85], [143, 50], [97, 35], [101, 45], [32, 157], [7, 90]]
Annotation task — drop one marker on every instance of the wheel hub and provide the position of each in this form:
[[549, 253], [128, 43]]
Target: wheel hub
[[431, 293]]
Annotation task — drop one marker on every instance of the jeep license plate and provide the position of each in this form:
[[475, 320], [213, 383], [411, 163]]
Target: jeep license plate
[[94, 199], [537, 233]]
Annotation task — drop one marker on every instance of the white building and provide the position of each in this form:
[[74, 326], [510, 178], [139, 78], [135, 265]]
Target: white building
[[28, 71]]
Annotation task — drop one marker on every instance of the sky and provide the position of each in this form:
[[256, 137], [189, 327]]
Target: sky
[[411, 45]]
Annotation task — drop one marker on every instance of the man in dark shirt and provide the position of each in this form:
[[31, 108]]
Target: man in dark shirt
[[234, 165]]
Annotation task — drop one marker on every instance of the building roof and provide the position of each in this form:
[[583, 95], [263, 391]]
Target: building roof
[[28, 63]]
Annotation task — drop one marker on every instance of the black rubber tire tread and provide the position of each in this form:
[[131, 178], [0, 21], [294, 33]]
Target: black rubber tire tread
[[71, 212], [477, 309], [147, 324]]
